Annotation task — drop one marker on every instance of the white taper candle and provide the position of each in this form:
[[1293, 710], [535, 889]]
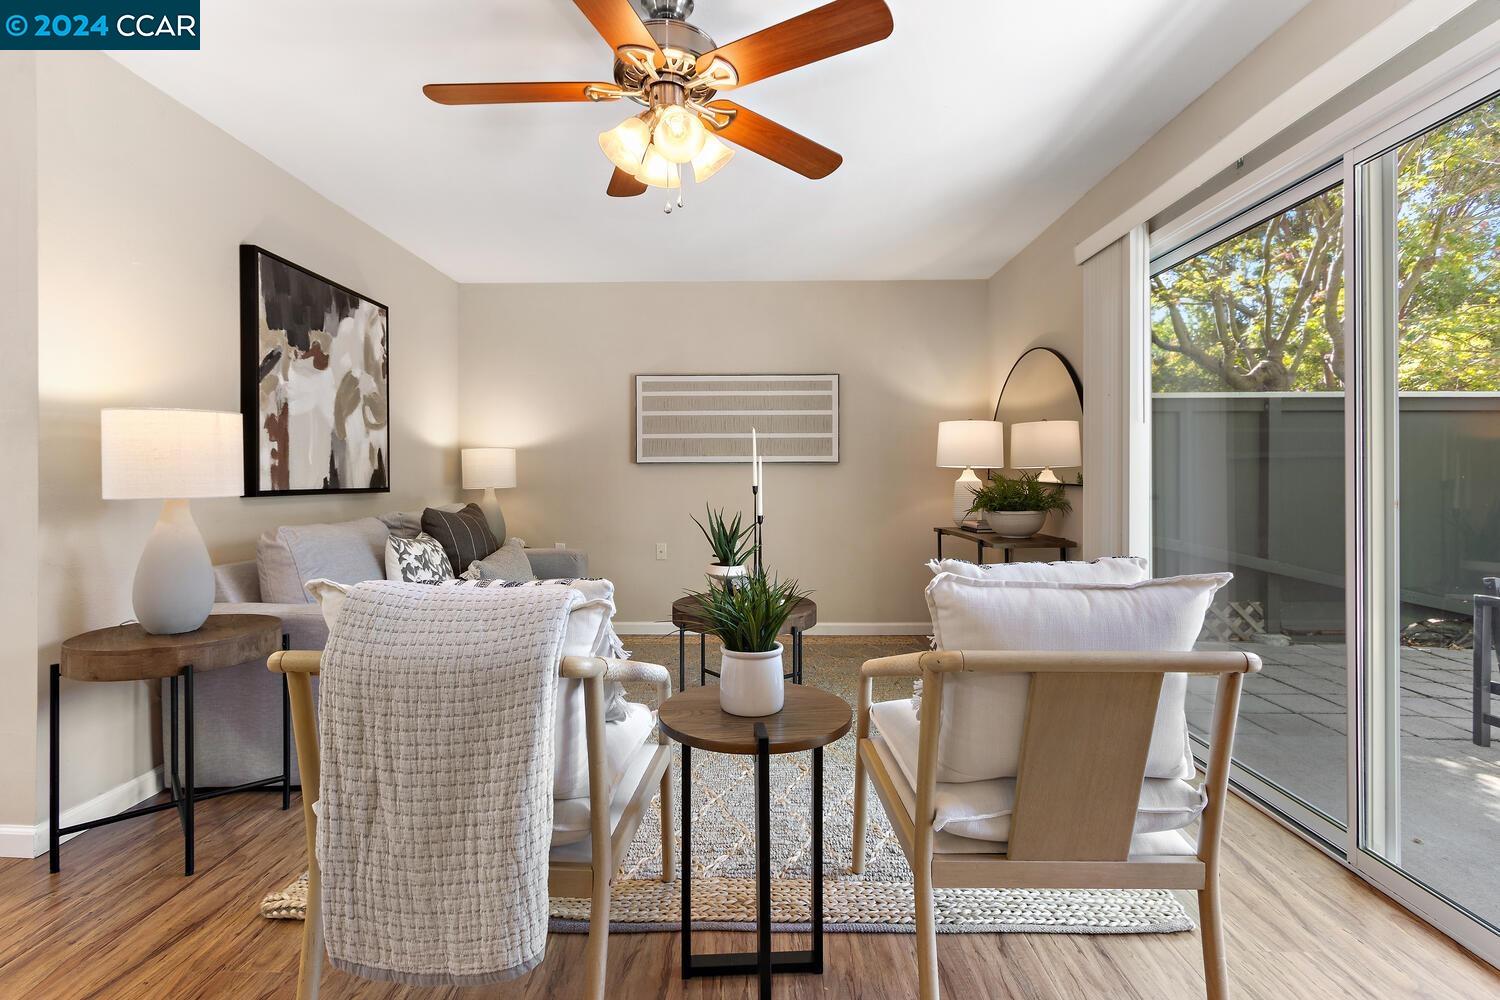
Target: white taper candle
[[754, 459]]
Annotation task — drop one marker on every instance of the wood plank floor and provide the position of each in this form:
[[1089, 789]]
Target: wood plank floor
[[121, 922]]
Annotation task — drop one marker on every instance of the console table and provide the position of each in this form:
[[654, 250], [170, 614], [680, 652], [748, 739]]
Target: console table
[[810, 720], [130, 653], [990, 540]]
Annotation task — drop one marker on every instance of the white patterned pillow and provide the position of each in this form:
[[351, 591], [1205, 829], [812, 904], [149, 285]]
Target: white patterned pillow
[[416, 560]]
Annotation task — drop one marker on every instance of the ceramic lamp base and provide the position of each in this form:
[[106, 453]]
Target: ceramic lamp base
[[174, 581], [963, 497]]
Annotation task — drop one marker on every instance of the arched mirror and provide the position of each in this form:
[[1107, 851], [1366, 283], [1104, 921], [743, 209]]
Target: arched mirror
[[1041, 406]]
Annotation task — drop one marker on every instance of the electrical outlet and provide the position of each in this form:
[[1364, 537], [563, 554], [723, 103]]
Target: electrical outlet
[[661, 551]]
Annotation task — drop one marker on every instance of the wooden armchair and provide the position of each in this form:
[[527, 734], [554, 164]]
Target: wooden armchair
[[1089, 719], [575, 870]]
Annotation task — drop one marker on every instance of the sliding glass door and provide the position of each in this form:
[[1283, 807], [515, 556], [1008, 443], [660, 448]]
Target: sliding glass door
[[1248, 401], [1428, 272], [1325, 374]]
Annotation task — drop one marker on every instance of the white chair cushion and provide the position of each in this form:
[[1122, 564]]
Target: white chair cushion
[[1160, 843], [1107, 569], [981, 810], [983, 715], [624, 743]]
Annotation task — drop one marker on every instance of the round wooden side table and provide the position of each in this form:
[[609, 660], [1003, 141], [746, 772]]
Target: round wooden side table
[[810, 720], [687, 616], [130, 653]]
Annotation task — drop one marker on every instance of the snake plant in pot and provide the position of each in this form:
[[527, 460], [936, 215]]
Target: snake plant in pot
[[731, 544], [748, 618], [1017, 508]]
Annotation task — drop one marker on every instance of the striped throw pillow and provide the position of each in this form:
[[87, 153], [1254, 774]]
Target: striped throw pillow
[[465, 535]]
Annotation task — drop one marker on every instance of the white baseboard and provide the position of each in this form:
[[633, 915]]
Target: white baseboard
[[20, 841], [822, 628]]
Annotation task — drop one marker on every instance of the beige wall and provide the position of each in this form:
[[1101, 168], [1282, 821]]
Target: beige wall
[[548, 369], [18, 431], [143, 206]]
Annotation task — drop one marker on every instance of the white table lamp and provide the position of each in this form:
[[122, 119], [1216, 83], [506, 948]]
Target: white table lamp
[[967, 445], [1045, 445], [490, 469], [173, 456]]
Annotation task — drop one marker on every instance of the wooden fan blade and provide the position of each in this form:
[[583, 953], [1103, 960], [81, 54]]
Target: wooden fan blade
[[776, 142], [510, 93], [618, 23], [807, 38], [622, 185]]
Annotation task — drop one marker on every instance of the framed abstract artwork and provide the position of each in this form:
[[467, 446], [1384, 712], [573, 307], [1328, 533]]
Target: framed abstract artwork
[[708, 418], [314, 382]]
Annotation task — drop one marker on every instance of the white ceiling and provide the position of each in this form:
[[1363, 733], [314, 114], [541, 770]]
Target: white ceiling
[[966, 133]]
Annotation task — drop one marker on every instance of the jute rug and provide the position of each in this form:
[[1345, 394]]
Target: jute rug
[[879, 900]]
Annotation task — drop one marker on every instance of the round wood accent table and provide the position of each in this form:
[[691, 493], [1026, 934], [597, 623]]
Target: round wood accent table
[[687, 616], [130, 653], [810, 720]]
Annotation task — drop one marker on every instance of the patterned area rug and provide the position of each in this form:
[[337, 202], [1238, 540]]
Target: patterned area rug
[[879, 900]]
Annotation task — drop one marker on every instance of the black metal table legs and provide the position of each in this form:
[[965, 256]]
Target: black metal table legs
[[795, 649], [184, 792], [763, 962], [53, 833]]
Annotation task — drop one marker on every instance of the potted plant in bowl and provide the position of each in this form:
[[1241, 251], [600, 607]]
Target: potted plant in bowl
[[730, 543], [1017, 508], [747, 618]]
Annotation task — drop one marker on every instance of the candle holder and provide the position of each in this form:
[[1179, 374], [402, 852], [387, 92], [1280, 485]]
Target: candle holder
[[758, 565]]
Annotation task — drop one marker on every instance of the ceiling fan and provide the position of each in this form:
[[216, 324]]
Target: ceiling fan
[[676, 71]]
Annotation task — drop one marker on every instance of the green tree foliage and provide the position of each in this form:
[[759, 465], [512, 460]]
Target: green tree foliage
[[1264, 310]]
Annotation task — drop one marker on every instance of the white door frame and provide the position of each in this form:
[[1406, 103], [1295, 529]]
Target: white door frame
[[1371, 433]]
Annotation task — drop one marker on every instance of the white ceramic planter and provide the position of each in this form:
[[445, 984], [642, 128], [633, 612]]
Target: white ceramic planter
[[1015, 523], [725, 572], [751, 683]]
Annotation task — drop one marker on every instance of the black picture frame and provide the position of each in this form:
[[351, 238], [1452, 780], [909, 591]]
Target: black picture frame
[[251, 363]]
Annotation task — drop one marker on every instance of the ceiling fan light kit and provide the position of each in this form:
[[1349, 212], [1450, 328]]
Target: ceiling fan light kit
[[676, 71]]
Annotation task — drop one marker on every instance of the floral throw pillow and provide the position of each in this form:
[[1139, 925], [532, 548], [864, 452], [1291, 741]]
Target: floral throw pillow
[[416, 560]]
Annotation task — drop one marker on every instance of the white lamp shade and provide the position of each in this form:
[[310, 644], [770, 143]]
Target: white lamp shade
[[170, 454], [488, 468], [971, 444], [1044, 444]]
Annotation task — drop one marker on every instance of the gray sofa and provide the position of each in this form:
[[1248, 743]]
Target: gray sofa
[[238, 710]]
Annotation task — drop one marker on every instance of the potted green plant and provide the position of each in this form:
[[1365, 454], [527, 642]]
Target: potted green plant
[[1017, 508], [747, 618], [731, 544]]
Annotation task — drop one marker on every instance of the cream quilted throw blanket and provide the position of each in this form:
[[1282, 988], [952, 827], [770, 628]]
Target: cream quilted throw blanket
[[435, 716]]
